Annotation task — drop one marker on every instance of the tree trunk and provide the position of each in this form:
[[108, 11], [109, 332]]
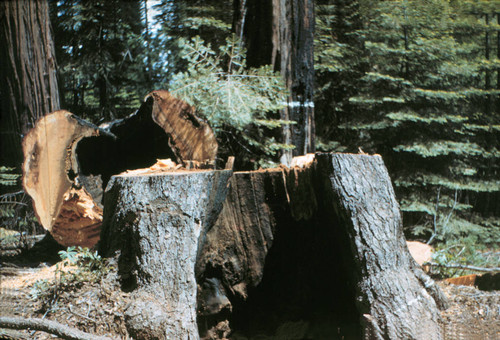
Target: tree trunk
[[316, 251], [281, 33], [28, 72], [157, 223], [396, 299]]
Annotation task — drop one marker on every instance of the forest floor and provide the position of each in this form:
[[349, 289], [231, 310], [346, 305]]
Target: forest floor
[[98, 306]]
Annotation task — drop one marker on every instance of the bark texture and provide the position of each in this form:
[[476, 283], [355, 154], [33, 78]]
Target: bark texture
[[397, 300], [29, 86], [156, 224], [281, 33], [316, 251]]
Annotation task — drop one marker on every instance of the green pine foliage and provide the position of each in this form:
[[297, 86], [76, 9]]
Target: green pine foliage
[[339, 64], [8, 201], [237, 101], [17, 218], [100, 50], [210, 73], [178, 20], [7, 177], [427, 102]]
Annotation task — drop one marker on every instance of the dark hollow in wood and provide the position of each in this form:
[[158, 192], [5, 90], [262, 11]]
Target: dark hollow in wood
[[163, 127]]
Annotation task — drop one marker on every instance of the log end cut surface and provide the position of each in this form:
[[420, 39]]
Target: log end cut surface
[[50, 166], [190, 137]]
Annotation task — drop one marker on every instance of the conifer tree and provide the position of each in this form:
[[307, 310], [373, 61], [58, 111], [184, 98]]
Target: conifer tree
[[425, 104], [101, 53]]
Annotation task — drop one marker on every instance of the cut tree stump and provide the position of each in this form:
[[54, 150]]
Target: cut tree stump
[[164, 127], [157, 223], [311, 252], [395, 297]]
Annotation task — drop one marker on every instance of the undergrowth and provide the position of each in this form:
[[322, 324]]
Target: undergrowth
[[463, 257], [17, 217], [78, 266]]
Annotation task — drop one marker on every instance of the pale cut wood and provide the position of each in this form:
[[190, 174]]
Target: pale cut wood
[[421, 252], [79, 220], [191, 138], [49, 171]]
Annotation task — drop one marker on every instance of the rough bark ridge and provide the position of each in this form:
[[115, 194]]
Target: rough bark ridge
[[154, 222], [316, 252], [397, 300], [28, 72]]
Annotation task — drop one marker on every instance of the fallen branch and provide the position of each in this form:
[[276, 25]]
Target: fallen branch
[[48, 326], [463, 266]]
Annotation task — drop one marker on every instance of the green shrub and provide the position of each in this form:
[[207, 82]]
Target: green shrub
[[237, 101]]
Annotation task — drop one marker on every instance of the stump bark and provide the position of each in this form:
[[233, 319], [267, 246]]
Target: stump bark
[[394, 296], [313, 252], [156, 223]]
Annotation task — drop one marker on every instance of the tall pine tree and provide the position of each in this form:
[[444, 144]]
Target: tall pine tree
[[101, 51], [425, 103]]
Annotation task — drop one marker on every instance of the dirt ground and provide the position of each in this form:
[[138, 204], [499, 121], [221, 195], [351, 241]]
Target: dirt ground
[[98, 307]]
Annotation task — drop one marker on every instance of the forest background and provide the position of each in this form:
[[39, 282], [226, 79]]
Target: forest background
[[417, 82]]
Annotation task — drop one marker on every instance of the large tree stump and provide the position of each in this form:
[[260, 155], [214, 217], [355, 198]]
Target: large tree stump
[[321, 244], [156, 223], [314, 252], [396, 299], [59, 160]]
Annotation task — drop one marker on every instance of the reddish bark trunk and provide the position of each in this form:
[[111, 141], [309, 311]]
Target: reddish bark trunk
[[29, 86]]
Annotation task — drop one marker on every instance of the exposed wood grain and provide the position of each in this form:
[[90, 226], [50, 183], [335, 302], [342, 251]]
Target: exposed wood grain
[[191, 138], [49, 171]]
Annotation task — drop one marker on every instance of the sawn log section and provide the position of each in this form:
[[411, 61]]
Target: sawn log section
[[58, 157], [313, 252]]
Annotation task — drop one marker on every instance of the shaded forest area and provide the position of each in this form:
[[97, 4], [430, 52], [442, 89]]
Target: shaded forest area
[[408, 85], [417, 82]]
